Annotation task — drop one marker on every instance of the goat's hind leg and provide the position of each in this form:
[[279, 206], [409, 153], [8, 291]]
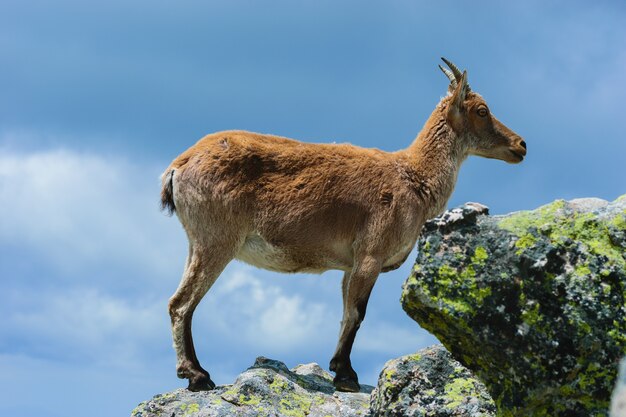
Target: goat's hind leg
[[203, 267]]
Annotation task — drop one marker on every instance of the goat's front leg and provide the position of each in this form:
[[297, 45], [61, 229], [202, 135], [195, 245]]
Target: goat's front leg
[[357, 287]]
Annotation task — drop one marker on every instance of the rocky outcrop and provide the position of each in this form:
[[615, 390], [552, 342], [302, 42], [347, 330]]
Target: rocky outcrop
[[268, 388], [531, 302], [429, 384]]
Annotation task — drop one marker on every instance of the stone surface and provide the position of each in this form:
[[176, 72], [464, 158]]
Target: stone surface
[[429, 384], [618, 401], [267, 389], [531, 302], [426, 384]]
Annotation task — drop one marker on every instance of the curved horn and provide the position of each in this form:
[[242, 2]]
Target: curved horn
[[449, 75], [456, 71]]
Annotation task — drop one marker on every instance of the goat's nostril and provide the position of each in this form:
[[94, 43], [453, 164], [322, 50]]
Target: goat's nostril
[[523, 144]]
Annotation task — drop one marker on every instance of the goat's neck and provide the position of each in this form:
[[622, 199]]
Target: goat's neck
[[436, 156]]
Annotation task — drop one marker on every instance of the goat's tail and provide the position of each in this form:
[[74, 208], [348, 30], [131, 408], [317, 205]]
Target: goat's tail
[[167, 192]]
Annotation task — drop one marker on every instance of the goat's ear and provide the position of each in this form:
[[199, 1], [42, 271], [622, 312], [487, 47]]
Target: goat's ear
[[460, 92], [457, 107]]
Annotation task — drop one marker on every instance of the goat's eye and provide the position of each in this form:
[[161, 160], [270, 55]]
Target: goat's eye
[[482, 111]]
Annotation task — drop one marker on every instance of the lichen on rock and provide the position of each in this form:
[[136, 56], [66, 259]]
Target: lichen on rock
[[429, 384], [531, 302], [267, 389]]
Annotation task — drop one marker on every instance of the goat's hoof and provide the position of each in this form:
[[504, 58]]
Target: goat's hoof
[[202, 383], [346, 384]]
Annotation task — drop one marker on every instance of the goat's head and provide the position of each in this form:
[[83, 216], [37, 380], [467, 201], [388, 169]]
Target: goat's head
[[470, 118]]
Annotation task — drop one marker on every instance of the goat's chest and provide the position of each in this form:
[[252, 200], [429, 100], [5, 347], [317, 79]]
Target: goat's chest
[[396, 259]]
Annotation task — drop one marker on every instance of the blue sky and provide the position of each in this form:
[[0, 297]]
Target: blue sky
[[98, 97]]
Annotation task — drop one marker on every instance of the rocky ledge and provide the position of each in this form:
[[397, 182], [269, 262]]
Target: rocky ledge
[[268, 388], [533, 302], [426, 384]]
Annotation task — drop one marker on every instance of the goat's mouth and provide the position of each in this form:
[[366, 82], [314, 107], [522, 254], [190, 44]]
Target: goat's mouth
[[517, 156]]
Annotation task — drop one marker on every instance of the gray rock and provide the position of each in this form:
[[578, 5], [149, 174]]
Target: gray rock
[[531, 302], [618, 401], [429, 384], [267, 389]]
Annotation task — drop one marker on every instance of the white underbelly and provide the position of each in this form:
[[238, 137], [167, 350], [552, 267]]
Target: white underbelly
[[258, 252]]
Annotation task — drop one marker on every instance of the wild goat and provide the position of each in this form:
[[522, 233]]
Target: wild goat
[[290, 206]]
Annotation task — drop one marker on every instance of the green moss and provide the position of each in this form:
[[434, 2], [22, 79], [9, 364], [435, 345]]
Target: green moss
[[389, 374], [468, 273], [582, 270], [520, 222], [166, 396], [457, 391], [480, 256], [450, 280], [619, 221], [446, 274], [292, 403], [189, 409], [532, 316], [524, 242], [278, 385], [430, 393], [564, 230], [617, 335], [251, 400], [295, 405]]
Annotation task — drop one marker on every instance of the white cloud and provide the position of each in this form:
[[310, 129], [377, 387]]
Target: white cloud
[[89, 325], [262, 314], [83, 210], [83, 325]]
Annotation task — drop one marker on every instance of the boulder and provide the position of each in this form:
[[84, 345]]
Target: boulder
[[267, 389], [429, 384], [531, 302]]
